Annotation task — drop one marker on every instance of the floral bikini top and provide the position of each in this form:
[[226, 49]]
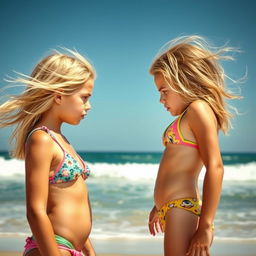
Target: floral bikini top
[[173, 134], [69, 168]]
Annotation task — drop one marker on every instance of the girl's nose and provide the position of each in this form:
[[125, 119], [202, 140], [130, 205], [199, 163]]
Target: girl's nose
[[162, 100], [87, 105]]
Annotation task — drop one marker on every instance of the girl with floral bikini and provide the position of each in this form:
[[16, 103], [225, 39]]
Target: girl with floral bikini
[[58, 206]]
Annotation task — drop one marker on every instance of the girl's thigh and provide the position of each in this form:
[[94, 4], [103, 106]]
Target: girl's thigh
[[35, 252], [180, 228]]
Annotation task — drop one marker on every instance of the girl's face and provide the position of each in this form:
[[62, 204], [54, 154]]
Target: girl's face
[[75, 107], [171, 100]]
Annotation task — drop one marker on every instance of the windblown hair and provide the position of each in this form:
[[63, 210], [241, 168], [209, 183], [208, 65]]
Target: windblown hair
[[191, 68], [58, 72]]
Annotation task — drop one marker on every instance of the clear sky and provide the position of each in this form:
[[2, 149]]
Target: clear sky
[[121, 38]]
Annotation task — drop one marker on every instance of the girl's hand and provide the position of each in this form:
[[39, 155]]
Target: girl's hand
[[200, 243], [153, 222]]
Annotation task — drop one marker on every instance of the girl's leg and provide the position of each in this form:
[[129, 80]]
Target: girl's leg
[[180, 227]]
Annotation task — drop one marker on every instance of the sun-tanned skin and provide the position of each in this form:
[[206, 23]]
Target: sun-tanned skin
[[62, 209], [178, 176]]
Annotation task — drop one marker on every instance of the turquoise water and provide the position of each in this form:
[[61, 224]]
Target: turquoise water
[[148, 157], [121, 193]]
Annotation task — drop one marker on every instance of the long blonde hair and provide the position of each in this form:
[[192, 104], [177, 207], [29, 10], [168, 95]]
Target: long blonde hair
[[190, 67], [62, 72]]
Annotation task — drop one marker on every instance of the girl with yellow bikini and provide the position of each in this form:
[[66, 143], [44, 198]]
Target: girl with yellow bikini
[[191, 85], [58, 206]]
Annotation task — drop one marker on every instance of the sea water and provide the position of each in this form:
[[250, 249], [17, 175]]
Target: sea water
[[121, 193]]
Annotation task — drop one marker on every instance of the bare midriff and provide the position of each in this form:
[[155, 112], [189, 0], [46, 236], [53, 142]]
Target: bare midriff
[[69, 211], [177, 175]]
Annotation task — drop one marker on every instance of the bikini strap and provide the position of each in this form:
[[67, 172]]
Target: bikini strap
[[44, 128], [31, 132], [183, 113]]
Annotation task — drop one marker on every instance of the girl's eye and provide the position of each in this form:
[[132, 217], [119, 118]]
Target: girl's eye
[[85, 98]]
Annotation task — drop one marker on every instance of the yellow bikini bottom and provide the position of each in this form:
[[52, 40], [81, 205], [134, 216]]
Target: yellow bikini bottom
[[189, 204]]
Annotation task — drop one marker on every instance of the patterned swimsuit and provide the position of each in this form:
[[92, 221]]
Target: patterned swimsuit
[[69, 168]]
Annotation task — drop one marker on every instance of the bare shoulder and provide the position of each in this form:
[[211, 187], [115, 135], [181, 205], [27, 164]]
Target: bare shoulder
[[201, 112], [40, 138], [40, 141], [199, 106]]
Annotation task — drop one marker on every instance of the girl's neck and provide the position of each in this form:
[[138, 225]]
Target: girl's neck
[[51, 124]]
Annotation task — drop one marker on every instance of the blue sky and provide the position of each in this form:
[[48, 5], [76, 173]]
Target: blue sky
[[121, 38]]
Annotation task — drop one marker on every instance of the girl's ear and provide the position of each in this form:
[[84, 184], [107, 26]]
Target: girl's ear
[[57, 98]]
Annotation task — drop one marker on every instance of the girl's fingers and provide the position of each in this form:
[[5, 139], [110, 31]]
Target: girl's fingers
[[207, 251], [199, 251], [202, 251], [154, 227], [161, 227], [189, 251], [193, 251], [157, 227], [151, 228]]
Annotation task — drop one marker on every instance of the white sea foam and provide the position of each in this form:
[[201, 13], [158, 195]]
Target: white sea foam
[[132, 171], [11, 167]]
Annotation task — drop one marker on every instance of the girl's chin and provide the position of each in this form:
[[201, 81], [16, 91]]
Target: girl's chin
[[173, 113], [75, 122]]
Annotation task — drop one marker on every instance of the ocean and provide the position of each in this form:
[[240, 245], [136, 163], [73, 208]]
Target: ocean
[[121, 193]]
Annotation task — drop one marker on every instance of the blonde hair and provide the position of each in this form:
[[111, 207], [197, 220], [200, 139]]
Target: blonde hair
[[60, 72], [190, 67]]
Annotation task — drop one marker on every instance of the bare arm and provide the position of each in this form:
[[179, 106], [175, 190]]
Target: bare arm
[[38, 159], [88, 248], [203, 123]]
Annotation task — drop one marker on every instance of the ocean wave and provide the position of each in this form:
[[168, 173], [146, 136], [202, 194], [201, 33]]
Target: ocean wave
[[13, 168]]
